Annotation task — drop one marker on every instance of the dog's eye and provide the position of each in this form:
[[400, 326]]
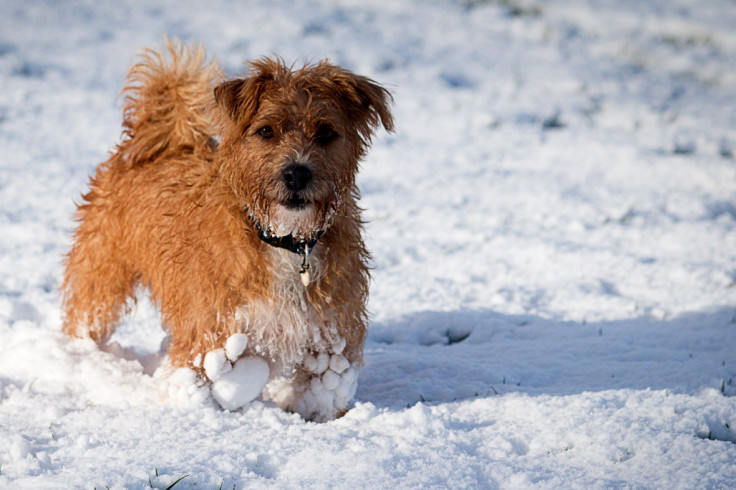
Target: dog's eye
[[325, 134], [266, 132]]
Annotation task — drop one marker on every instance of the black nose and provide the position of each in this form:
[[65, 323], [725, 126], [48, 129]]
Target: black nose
[[296, 176]]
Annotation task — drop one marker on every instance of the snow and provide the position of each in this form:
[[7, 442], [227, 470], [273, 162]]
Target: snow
[[182, 386], [235, 346], [552, 228], [328, 392], [216, 364], [242, 384], [235, 381]]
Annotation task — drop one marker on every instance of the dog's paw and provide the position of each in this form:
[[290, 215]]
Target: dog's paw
[[330, 390], [236, 381], [242, 383], [181, 386]]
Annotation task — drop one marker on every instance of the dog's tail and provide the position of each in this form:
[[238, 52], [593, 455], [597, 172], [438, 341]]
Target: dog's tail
[[168, 97]]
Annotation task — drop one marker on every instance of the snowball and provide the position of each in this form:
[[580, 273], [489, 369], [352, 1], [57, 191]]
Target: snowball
[[327, 395], [343, 389], [339, 364], [181, 386], [339, 347], [242, 384], [342, 399], [307, 405], [323, 360], [331, 380], [235, 346], [348, 385], [310, 363], [349, 377], [317, 386], [215, 364]]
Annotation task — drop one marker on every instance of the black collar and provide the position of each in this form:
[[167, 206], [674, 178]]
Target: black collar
[[299, 246], [288, 242]]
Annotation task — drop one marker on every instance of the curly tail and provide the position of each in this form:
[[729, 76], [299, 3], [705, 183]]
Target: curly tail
[[168, 96]]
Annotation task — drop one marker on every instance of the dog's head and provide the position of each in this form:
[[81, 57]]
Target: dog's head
[[292, 140]]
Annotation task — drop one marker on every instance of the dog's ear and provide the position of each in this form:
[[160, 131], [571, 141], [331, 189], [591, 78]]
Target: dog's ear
[[227, 96], [367, 102], [239, 98]]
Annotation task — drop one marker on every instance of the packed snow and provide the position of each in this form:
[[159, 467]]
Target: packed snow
[[553, 232], [241, 384]]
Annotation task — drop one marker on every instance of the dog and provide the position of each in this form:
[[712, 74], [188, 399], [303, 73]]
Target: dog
[[234, 202]]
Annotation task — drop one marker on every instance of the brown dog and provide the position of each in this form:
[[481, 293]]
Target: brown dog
[[235, 204]]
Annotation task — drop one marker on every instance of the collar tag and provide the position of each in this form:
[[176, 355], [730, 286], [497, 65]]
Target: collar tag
[[304, 272]]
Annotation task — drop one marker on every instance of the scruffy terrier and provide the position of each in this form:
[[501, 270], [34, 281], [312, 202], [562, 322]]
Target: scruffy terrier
[[234, 203]]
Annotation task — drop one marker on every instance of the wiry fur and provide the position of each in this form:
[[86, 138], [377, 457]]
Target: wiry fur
[[170, 209]]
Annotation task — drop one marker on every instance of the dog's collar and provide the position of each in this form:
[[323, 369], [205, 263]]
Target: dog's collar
[[299, 246]]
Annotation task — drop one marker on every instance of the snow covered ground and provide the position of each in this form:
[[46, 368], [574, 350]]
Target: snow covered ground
[[553, 228]]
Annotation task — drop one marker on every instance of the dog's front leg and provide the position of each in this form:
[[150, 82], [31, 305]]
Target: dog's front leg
[[322, 386]]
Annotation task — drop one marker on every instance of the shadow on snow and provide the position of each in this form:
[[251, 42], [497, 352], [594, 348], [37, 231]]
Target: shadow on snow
[[448, 356]]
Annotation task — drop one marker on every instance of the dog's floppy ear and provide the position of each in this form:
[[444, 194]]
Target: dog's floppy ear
[[367, 102], [227, 95], [239, 98]]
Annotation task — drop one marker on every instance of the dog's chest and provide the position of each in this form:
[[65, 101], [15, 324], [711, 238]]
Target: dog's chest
[[284, 325]]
